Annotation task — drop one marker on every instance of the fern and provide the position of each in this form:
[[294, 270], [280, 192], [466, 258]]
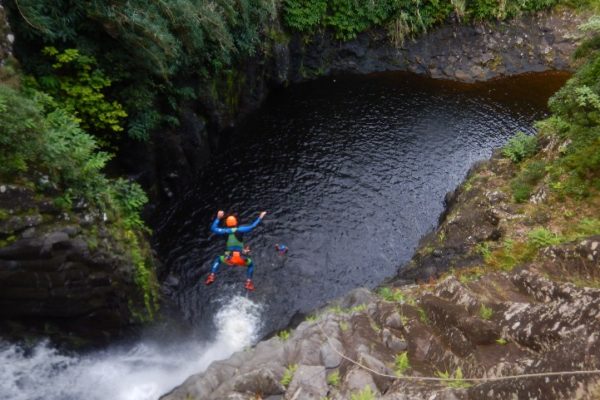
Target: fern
[[520, 147], [288, 374], [401, 363], [365, 394], [542, 237]]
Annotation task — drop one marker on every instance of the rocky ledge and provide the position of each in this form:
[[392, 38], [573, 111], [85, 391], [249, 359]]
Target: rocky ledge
[[502, 324], [456, 51], [485, 296], [63, 275], [466, 53]]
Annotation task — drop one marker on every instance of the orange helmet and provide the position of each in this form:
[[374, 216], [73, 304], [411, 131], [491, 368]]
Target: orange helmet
[[231, 221]]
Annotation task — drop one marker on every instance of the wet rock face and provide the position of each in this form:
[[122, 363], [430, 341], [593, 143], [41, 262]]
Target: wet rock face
[[534, 324], [465, 53], [458, 52], [58, 280], [473, 215]]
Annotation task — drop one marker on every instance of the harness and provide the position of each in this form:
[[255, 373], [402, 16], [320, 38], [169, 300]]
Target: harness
[[234, 253]]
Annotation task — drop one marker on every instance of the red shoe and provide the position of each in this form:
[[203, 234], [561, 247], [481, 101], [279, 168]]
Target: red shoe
[[249, 285], [210, 279]]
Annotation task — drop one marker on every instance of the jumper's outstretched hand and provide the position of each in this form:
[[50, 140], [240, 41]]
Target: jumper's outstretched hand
[[262, 214], [220, 214]]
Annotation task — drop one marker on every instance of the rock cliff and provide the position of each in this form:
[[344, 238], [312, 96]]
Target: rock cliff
[[534, 324], [66, 273], [63, 275], [455, 51], [511, 305], [467, 53]]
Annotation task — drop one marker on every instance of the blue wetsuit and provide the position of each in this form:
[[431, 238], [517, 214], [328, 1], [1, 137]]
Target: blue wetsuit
[[235, 247]]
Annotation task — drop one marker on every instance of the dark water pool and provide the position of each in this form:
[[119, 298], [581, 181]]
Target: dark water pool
[[352, 172]]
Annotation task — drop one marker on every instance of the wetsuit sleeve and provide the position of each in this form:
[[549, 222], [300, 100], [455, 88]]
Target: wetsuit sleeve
[[221, 231], [248, 228]]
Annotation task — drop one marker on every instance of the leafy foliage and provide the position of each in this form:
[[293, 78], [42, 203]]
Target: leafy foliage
[[576, 121], [333, 379], [542, 237], [283, 335], [519, 147], [311, 318], [52, 143], [304, 15], [404, 18], [401, 363], [365, 394], [456, 379], [20, 120], [391, 294], [288, 374], [485, 312], [522, 185], [588, 227], [40, 140], [78, 86], [344, 326], [147, 48]]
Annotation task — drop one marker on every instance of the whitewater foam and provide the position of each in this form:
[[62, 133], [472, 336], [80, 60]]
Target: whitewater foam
[[142, 371]]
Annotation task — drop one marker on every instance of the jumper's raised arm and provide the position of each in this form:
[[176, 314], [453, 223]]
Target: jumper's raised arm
[[236, 252]]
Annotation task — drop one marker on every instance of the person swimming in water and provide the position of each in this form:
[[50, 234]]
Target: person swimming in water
[[282, 249], [236, 254]]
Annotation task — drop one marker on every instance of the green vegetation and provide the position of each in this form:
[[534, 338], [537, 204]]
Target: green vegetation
[[401, 363], [520, 147], [365, 394], [42, 140], [456, 379], [504, 257], [38, 137], [485, 312], [337, 310], [391, 294], [157, 53], [344, 326], [423, 315], [483, 248], [502, 341], [586, 227], [78, 87], [524, 183], [358, 308], [288, 374], [402, 18], [467, 275], [333, 379], [133, 63], [542, 237], [375, 326], [575, 121], [311, 318], [283, 335]]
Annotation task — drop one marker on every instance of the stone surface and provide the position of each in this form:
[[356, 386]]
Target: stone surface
[[329, 357], [454, 51], [58, 280], [308, 383], [544, 325], [541, 316]]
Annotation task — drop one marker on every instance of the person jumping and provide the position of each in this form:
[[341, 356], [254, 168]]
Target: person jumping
[[236, 254]]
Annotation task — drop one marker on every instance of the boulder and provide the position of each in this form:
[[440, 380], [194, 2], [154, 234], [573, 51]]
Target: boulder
[[309, 383]]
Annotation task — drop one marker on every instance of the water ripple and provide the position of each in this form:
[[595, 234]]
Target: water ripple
[[352, 172]]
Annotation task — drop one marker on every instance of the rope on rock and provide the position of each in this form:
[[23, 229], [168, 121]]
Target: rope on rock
[[439, 379]]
